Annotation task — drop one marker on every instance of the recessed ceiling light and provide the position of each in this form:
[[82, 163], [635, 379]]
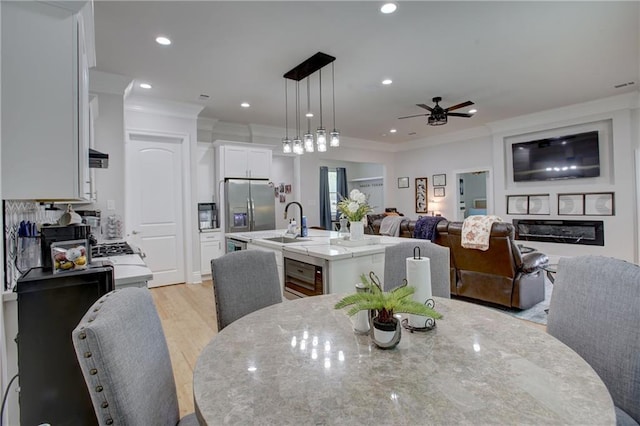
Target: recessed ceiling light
[[145, 85], [387, 81], [245, 105], [163, 41], [388, 8], [393, 130], [473, 111]]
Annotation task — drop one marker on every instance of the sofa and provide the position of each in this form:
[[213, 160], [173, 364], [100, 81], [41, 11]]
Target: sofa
[[375, 220], [501, 275]]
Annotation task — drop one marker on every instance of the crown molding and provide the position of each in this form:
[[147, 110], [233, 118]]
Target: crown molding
[[104, 82], [568, 113], [162, 107]]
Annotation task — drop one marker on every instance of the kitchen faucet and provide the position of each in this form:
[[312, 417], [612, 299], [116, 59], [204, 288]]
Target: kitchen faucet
[[301, 214]]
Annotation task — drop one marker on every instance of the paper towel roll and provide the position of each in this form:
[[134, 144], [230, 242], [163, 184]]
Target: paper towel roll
[[419, 276]]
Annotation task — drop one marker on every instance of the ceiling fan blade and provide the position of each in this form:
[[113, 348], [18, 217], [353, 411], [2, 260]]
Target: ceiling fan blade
[[411, 116], [427, 107], [459, 114], [462, 105]]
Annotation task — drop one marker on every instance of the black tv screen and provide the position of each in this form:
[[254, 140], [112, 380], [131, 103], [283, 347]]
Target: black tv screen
[[564, 157]]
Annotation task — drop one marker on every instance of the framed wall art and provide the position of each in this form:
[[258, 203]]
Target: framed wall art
[[438, 191], [403, 182], [440, 180], [528, 204], [421, 195], [589, 203]]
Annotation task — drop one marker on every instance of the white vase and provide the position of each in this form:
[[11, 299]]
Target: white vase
[[357, 230]]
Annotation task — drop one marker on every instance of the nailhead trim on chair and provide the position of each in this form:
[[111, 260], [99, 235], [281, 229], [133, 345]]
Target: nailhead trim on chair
[[93, 371]]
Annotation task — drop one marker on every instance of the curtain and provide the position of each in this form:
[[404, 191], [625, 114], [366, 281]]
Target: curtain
[[325, 201], [341, 186]]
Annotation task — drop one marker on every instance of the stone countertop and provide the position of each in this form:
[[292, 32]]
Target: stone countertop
[[299, 362], [128, 269], [318, 244]]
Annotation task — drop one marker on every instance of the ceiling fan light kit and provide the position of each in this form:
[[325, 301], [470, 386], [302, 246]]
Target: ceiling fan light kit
[[437, 115], [304, 70]]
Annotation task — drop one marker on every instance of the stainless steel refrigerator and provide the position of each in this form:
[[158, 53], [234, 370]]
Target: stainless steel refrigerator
[[249, 205]]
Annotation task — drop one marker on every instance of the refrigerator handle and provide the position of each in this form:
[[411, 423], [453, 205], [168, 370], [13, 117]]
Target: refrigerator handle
[[253, 211], [250, 214]]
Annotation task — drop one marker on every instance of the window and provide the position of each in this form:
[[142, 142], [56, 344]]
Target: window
[[333, 191]]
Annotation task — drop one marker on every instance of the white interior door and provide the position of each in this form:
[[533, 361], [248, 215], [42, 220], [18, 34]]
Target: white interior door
[[154, 205]]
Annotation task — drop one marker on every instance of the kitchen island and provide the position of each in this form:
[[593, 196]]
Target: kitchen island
[[341, 264]]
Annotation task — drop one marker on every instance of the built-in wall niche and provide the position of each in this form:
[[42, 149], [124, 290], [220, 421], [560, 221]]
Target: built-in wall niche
[[605, 153], [586, 204], [531, 204]]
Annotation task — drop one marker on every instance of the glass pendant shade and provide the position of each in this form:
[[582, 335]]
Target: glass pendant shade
[[321, 136], [334, 140], [297, 146], [308, 142], [286, 146]]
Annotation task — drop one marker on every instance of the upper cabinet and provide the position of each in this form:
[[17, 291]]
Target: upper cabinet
[[242, 161], [47, 50]]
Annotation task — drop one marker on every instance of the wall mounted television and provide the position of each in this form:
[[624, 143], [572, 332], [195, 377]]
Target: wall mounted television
[[563, 157]]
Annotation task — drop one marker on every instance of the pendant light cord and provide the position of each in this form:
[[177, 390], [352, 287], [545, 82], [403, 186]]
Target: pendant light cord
[[286, 110], [333, 89], [320, 73], [308, 106], [297, 110]]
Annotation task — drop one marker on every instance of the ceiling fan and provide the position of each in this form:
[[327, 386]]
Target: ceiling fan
[[438, 115]]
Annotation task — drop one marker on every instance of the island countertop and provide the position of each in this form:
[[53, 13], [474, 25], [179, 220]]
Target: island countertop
[[318, 243]]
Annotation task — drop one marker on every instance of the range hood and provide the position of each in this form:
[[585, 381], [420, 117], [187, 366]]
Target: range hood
[[98, 160]]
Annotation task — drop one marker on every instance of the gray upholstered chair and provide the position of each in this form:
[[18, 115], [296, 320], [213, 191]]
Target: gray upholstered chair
[[395, 265], [125, 361], [244, 281], [594, 310]]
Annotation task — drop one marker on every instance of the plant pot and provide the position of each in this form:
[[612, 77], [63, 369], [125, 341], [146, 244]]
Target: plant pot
[[385, 335], [357, 230]]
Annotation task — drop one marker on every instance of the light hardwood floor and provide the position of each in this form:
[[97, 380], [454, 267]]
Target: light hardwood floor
[[188, 316]]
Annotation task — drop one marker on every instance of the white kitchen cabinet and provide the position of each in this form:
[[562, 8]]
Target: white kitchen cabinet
[[45, 101], [210, 248], [206, 177], [246, 162], [279, 260]]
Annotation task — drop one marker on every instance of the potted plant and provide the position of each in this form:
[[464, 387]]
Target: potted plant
[[385, 327], [355, 208]]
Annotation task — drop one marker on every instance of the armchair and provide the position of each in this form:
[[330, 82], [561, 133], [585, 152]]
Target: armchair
[[500, 275]]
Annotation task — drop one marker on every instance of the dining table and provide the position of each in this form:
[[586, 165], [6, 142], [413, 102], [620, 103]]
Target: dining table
[[301, 363]]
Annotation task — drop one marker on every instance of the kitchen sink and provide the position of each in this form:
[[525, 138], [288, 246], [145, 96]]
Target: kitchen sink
[[286, 240]]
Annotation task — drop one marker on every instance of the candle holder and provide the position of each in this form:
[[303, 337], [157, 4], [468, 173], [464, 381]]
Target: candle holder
[[429, 323]]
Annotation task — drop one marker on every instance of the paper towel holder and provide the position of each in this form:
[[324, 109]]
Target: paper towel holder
[[429, 323]]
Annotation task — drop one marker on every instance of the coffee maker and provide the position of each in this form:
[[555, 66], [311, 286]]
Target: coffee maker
[[207, 216], [92, 218]]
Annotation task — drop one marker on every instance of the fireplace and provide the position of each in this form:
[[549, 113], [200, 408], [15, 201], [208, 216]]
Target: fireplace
[[586, 232]]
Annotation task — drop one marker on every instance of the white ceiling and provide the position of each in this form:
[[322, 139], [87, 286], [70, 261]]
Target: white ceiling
[[510, 58]]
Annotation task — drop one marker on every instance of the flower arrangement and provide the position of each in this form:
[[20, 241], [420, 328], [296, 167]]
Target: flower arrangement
[[356, 207]]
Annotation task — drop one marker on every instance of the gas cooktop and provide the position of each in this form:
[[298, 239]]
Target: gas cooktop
[[110, 249]]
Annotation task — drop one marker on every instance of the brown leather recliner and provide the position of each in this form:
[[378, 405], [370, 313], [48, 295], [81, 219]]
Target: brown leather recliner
[[375, 220], [501, 274]]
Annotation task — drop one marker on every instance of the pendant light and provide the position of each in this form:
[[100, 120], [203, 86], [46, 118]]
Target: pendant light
[[321, 133], [286, 142], [304, 70], [334, 141], [308, 137], [297, 143]]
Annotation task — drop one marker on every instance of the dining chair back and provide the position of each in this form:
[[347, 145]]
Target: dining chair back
[[594, 310], [125, 361], [395, 265], [244, 281]]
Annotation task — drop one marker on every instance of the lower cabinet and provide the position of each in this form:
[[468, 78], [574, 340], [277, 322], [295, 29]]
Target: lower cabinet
[[210, 248], [279, 260]]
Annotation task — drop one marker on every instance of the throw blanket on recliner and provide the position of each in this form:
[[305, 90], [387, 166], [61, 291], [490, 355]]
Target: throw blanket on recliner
[[425, 228], [476, 231], [390, 225]]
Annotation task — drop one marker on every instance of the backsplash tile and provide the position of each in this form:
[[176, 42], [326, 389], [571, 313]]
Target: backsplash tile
[[16, 211]]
